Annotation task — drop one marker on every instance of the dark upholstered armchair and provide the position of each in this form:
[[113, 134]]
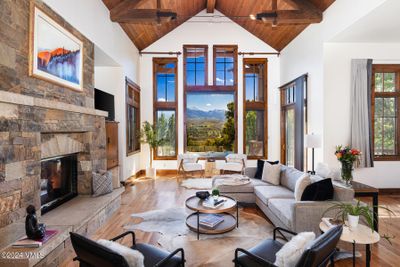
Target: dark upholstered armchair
[[321, 251], [91, 254]]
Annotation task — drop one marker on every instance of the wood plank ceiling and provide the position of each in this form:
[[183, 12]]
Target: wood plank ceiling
[[144, 34]]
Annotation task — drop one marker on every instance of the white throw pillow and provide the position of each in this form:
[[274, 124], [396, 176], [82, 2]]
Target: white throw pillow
[[290, 253], [133, 257], [301, 184], [271, 173]]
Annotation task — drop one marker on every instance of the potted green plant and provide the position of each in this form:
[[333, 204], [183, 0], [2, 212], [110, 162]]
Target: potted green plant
[[149, 135], [353, 212], [215, 194]]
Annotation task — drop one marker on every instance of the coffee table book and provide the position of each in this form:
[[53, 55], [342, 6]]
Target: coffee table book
[[211, 220], [29, 243]]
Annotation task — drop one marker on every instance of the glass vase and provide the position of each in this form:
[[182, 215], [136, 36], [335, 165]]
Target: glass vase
[[347, 172]]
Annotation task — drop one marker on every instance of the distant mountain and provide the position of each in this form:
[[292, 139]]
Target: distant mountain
[[195, 113]]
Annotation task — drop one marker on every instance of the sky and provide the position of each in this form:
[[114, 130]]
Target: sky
[[208, 101]]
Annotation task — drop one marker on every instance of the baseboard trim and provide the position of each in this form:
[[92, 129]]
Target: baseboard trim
[[389, 191]]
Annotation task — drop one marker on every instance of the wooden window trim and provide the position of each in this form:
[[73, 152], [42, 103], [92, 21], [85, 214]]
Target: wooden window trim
[[235, 63], [165, 105], [259, 105], [130, 85], [377, 68], [205, 47], [301, 156]]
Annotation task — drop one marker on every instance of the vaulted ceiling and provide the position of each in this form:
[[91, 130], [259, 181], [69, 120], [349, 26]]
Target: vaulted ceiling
[[144, 34]]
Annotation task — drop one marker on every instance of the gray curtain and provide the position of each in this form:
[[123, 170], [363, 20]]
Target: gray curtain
[[361, 128]]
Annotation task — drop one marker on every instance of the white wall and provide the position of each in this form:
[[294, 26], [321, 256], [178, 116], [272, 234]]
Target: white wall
[[305, 55], [223, 31], [328, 66], [337, 63], [92, 19]]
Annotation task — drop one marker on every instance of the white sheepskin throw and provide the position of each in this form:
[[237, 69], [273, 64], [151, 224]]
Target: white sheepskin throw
[[290, 253], [133, 257]]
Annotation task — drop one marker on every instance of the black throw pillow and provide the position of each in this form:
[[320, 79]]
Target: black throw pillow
[[260, 167], [318, 191]]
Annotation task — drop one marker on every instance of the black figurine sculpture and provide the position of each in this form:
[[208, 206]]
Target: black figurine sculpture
[[33, 229]]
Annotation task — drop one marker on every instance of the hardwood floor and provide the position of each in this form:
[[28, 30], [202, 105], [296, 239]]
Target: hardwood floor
[[165, 192]]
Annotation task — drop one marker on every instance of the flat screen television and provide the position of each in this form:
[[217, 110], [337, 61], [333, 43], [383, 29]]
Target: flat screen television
[[104, 101]]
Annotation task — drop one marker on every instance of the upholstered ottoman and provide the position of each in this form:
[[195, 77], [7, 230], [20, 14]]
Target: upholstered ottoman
[[238, 186]]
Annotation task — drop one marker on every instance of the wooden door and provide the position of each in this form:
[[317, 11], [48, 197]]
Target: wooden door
[[112, 144]]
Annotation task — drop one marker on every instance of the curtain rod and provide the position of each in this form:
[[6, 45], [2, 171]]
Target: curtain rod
[[258, 53], [161, 53]]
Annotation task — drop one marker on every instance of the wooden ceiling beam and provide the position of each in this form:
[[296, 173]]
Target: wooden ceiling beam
[[211, 6], [305, 13], [141, 16], [123, 6]]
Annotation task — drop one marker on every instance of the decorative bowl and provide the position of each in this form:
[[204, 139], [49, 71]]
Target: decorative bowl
[[202, 194]]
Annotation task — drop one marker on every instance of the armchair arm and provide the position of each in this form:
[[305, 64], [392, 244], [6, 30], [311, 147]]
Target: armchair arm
[[165, 260], [253, 257], [280, 230], [125, 234]]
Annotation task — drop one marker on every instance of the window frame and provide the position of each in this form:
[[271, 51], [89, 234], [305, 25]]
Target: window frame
[[234, 49], [185, 53], [211, 89], [130, 102], [256, 105], [299, 91], [167, 106], [386, 68]]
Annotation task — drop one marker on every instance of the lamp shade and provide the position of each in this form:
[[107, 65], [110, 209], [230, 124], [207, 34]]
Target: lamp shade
[[312, 141]]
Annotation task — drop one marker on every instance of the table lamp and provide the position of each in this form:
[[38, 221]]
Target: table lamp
[[312, 141]]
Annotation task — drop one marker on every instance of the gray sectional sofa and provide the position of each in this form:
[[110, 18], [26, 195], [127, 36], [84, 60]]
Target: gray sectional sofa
[[278, 201]]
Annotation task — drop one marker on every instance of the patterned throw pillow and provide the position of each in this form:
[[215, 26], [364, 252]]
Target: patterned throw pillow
[[102, 183]]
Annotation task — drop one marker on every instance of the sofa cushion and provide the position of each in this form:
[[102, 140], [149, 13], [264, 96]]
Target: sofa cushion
[[318, 191], [271, 173], [289, 177], [283, 209], [265, 193], [301, 184], [260, 167]]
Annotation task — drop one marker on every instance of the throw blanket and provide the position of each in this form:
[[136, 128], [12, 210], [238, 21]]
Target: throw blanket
[[230, 179]]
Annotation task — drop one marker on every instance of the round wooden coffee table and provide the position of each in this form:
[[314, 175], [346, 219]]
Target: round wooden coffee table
[[230, 221]]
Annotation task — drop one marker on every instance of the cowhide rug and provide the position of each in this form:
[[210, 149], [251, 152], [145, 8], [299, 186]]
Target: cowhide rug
[[197, 183], [210, 250]]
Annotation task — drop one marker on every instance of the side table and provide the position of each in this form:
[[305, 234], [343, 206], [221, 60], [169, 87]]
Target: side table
[[361, 234]]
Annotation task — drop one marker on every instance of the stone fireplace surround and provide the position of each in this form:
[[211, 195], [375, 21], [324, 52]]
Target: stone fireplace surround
[[39, 119]]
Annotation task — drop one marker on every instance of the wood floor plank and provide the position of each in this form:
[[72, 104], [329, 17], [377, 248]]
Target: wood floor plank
[[165, 192]]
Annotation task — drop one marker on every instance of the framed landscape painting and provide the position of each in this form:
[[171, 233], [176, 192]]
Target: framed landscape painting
[[56, 55]]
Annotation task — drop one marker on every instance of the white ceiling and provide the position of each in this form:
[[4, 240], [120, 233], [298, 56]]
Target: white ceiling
[[382, 25]]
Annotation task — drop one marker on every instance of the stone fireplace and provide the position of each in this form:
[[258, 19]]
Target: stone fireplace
[[40, 120]]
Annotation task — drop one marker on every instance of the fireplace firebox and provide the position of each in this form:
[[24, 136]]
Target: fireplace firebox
[[58, 182]]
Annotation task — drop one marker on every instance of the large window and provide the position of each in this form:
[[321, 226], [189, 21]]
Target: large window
[[195, 64], [225, 65], [210, 110], [132, 117], [385, 101], [165, 103], [294, 122], [255, 107]]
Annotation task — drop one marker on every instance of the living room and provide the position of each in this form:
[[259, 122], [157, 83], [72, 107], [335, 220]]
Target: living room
[[197, 128]]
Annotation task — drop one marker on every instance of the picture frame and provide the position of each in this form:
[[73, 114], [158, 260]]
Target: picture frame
[[55, 54]]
